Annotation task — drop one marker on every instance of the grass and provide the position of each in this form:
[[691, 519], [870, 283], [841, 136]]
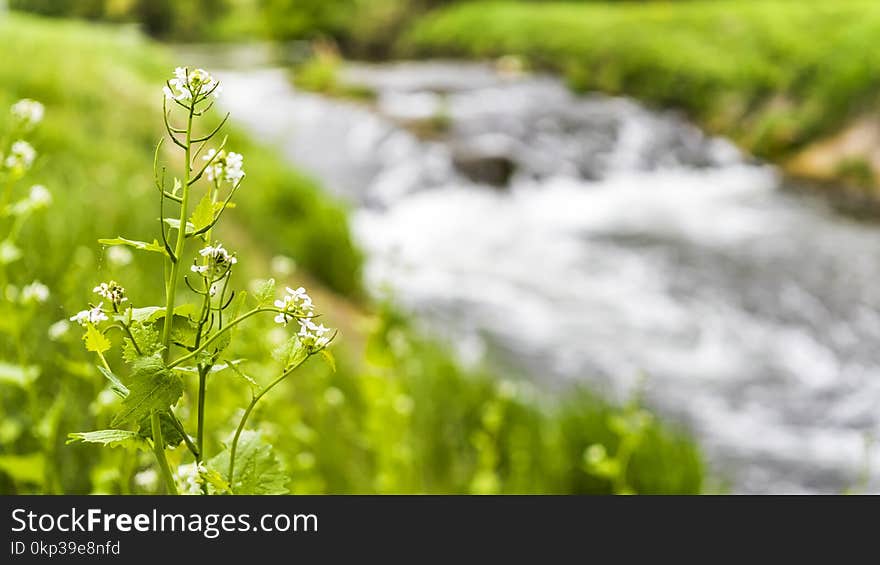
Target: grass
[[397, 415], [773, 74]]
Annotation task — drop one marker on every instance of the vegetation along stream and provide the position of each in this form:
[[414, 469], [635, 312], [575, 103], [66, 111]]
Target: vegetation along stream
[[587, 238]]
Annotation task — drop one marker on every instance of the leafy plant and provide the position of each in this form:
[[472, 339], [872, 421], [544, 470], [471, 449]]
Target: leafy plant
[[164, 345]]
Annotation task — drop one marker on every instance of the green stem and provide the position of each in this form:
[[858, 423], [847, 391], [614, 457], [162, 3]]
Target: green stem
[[200, 433], [171, 288], [244, 418], [159, 450], [214, 337]]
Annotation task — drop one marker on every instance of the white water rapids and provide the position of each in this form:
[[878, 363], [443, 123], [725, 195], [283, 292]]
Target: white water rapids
[[625, 241]]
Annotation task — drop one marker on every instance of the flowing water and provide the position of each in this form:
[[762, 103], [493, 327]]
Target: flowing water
[[588, 239]]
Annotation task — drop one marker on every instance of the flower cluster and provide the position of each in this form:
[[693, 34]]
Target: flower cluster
[[224, 166], [218, 262], [188, 85], [297, 304], [111, 291], [21, 155], [28, 113], [312, 335], [94, 315]]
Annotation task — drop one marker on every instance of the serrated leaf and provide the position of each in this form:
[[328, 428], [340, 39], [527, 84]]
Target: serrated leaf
[[147, 338], [109, 438], [116, 385], [170, 433], [142, 245], [216, 483], [20, 375], [257, 469], [328, 357], [153, 387], [203, 215], [95, 340]]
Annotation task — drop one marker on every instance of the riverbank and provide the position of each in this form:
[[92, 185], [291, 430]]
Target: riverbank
[[397, 414], [791, 82]]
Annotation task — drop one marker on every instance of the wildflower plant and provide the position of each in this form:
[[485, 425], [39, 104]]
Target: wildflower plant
[[164, 345], [22, 298]]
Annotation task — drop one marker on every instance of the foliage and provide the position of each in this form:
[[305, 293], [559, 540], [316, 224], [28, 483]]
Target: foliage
[[161, 18], [752, 69], [396, 415]]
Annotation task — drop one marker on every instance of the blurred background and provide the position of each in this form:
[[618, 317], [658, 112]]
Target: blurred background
[[571, 247]]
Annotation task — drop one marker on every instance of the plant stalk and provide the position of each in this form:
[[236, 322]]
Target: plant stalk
[[159, 450], [244, 418], [171, 288]]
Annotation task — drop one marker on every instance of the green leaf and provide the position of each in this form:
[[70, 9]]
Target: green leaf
[[142, 245], [20, 375], [216, 483], [174, 223], [153, 387], [328, 357], [170, 433], [150, 314], [265, 292], [203, 215], [291, 352], [109, 438], [257, 470], [95, 340], [148, 340], [116, 385]]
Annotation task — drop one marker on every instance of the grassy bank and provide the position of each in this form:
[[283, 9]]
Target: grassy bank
[[397, 414], [775, 75]]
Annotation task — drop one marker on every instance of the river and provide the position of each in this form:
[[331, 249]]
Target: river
[[587, 239]]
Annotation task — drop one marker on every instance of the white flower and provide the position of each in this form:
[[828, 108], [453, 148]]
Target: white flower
[[218, 261], [296, 303], [234, 172], [58, 330], [93, 316], [28, 112], [34, 293], [187, 85], [40, 196], [21, 155], [225, 166], [189, 478], [313, 336], [111, 291], [119, 256]]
